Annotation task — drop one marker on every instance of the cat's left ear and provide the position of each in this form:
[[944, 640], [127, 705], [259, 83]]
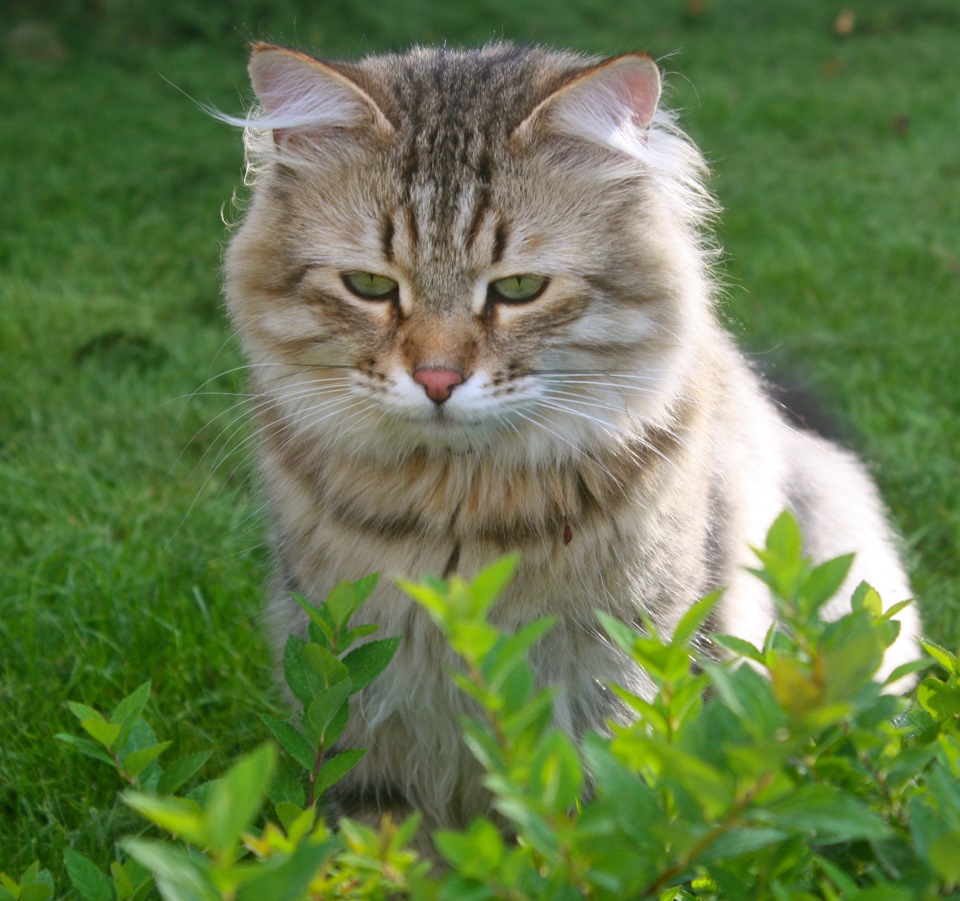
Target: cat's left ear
[[611, 104], [307, 101]]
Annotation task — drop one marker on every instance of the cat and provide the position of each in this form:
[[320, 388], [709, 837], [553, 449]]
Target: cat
[[477, 293]]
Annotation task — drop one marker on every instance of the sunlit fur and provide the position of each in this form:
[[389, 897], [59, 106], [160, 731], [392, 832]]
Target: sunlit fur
[[608, 430]]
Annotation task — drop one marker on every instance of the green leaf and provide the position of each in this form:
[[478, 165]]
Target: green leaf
[[94, 724], [181, 771], [178, 816], [336, 768], [35, 885], [291, 741], [364, 587], [129, 710], [341, 603], [366, 662], [795, 686], [559, 772], [851, 653], [287, 879], [432, 600], [138, 761], [288, 785], [87, 748], [101, 731], [511, 652], [938, 698], [694, 618], [318, 615], [651, 715], [664, 662], [337, 724], [738, 647], [472, 640], [235, 799], [290, 815], [180, 875], [325, 665], [475, 854], [865, 597], [943, 856], [947, 660], [325, 706], [488, 584], [302, 681], [90, 883], [325, 636], [825, 580], [746, 840], [906, 669], [784, 537], [618, 631], [826, 813], [82, 712], [35, 892], [130, 880], [362, 631]]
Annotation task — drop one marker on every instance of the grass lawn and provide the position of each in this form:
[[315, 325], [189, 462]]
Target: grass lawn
[[130, 526]]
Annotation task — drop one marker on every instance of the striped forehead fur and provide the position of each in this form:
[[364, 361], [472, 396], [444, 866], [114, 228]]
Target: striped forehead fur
[[491, 90]]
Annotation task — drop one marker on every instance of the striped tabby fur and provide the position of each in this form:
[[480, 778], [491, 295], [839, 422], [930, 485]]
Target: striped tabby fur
[[607, 428]]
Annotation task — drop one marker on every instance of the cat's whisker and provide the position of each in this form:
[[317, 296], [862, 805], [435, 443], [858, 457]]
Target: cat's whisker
[[562, 376], [584, 386], [645, 385], [604, 424], [248, 409], [599, 403], [230, 449], [579, 451], [308, 426]]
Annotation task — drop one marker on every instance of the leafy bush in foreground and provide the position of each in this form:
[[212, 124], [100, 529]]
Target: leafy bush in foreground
[[792, 776]]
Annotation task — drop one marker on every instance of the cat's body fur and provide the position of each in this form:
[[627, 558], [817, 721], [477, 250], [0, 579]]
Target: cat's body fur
[[608, 430]]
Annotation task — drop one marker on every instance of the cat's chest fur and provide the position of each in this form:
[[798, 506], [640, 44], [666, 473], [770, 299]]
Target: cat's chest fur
[[613, 527]]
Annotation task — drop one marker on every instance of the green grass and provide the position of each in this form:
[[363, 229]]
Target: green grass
[[130, 528]]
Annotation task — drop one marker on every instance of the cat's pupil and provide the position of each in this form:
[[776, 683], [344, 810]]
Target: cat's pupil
[[519, 288], [369, 285]]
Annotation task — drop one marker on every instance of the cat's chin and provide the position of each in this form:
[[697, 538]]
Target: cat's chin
[[446, 436]]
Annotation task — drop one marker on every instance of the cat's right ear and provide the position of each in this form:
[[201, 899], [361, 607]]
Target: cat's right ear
[[612, 104], [305, 100]]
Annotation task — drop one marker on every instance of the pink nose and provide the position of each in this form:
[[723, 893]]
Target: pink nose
[[438, 383]]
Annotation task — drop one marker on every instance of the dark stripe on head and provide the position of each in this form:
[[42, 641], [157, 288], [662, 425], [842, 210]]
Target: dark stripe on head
[[386, 239], [412, 227], [500, 239], [480, 208]]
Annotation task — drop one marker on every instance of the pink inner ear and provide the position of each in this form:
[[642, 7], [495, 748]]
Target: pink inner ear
[[636, 82], [274, 77]]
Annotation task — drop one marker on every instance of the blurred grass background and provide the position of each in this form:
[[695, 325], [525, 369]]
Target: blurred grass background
[[130, 528]]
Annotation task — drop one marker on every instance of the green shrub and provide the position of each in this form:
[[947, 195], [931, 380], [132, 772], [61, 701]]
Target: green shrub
[[782, 772]]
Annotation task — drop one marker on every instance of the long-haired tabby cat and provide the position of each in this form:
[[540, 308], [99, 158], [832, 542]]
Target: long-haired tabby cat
[[475, 291]]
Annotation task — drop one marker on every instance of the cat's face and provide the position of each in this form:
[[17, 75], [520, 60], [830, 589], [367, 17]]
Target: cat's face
[[439, 271]]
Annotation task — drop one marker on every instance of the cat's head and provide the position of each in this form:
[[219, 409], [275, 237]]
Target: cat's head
[[464, 250]]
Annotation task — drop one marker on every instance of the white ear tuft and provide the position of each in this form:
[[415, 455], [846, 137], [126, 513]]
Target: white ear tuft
[[611, 104], [298, 91]]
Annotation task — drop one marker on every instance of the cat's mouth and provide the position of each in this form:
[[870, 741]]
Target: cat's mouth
[[450, 431]]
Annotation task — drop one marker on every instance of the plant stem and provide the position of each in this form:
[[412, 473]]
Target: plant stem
[[729, 821]]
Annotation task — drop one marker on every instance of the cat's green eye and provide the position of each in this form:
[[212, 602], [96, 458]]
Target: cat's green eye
[[518, 288], [370, 286]]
